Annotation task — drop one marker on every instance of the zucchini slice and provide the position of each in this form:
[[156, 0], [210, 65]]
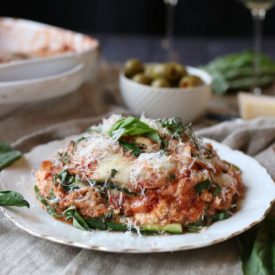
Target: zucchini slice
[[172, 228]]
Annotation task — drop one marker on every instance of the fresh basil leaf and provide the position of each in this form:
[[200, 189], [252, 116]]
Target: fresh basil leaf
[[154, 135], [63, 157], [11, 198], [50, 209], [259, 262], [206, 184], [113, 173], [135, 149], [132, 126], [39, 197], [257, 248], [104, 186], [68, 182], [8, 155], [177, 129], [51, 195], [174, 125], [196, 226], [217, 190], [78, 220], [222, 215], [96, 223]]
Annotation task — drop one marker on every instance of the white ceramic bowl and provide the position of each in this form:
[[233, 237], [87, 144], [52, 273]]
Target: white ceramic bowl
[[154, 102]]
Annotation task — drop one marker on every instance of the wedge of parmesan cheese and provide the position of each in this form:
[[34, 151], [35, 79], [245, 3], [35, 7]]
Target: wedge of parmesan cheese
[[252, 106]]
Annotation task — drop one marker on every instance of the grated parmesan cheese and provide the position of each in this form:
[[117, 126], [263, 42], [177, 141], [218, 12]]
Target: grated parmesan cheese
[[108, 123], [155, 125], [149, 165], [94, 149]]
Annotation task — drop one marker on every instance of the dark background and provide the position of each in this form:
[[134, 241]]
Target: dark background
[[213, 18]]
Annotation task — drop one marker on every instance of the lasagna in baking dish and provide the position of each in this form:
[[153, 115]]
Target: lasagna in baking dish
[[138, 174]]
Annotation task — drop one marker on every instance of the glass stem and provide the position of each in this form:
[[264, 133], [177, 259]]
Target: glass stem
[[170, 29], [258, 18], [170, 22]]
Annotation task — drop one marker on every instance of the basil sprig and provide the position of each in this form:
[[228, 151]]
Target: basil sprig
[[7, 155], [178, 129], [134, 148], [174, 126], [78, 221], [69, 182], [208, 220], [12, 198], [132, 126], [235, 71], [208, 185], [257, 248], [51, 208]]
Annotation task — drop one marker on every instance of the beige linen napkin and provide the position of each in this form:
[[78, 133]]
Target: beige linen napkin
[[22, 253]]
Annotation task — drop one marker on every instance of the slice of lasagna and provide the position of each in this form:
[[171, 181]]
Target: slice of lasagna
[[150, 176]]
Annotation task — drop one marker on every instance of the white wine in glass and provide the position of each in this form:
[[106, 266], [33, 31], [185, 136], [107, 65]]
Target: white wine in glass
[[258, 10], [259, 4]]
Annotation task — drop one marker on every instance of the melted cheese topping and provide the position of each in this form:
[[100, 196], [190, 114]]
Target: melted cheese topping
[[118, 162], [152, 167]]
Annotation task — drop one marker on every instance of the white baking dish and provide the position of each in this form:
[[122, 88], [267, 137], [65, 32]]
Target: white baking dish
[[35, 58], [21, 38]]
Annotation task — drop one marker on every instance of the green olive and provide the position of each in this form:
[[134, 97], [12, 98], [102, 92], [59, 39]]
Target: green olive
[[190, 81], [179, 70], [132, 67], [160, 82], [142, 79], [148, 71], [171, 71], [162, 71]]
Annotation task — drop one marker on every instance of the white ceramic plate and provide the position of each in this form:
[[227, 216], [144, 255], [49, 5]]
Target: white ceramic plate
[[19, 177]]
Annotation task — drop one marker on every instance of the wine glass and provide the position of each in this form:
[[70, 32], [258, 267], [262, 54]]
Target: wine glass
[[258, 9], [168, 42]]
